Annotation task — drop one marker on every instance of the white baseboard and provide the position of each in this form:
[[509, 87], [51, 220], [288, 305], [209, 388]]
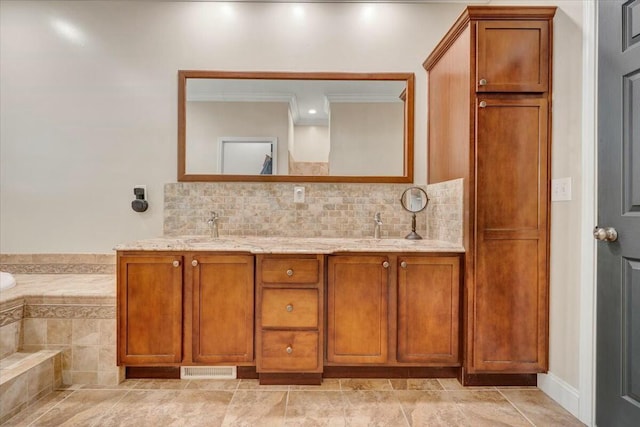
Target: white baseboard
[[566, 395]]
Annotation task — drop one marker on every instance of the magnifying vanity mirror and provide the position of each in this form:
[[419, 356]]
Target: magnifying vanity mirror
[[414, 200], [302, 127]]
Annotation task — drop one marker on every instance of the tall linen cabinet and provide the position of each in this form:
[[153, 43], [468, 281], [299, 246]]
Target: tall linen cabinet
[[489, 121]]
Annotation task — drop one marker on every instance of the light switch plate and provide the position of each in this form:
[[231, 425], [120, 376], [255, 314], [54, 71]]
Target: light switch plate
[[561, 189]]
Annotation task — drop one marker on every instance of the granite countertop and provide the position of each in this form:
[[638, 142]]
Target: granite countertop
[[288, 245]]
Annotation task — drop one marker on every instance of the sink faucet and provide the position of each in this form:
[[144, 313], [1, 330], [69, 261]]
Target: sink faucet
[[378, 225], [213, 224]]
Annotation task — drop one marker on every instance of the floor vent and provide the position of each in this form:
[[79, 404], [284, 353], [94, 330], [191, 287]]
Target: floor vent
[[208, 372]]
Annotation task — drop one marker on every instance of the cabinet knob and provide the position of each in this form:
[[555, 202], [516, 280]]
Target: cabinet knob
[[385, 264], [176, 263], [483, 104], [289, 308], [403, 264], [289, 350], [289, 272], [483, 82], [194, 262]]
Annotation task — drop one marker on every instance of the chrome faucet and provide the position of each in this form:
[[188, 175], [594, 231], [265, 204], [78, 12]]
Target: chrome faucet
[[378, 225], [213, 224]]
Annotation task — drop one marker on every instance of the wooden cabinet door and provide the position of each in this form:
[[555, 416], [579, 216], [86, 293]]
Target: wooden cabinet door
[[149, 310], [222, 308], [357, 307], [428, 309], [510, 312], [512, 56]]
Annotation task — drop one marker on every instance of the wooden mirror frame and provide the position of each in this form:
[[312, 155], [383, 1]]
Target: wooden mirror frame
[[407, 176]]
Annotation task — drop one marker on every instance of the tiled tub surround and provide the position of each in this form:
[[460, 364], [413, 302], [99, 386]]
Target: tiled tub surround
[[58, 263], [27, 377], [73, 313], [330, 210]]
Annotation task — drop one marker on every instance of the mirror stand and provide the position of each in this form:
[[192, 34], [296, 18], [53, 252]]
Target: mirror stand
[[414, 200], [413, 235]]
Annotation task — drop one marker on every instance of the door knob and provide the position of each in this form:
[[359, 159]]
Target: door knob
[[482, 82], [606, 234], [194, 262], [385, 264]]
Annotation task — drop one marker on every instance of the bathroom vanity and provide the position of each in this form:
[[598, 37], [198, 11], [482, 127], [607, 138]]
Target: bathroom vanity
[[293, 310], [321, 305]]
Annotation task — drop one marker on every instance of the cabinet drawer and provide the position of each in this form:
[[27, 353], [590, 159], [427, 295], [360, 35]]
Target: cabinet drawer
[[290, 270], [289, 351], [290, 308]]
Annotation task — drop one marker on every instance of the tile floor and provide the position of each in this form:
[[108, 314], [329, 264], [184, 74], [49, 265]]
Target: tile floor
[[344, 402]]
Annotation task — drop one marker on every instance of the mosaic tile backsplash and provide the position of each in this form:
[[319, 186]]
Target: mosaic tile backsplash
[[267, 209]]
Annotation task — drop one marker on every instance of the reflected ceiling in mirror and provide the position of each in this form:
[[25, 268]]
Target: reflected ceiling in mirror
[[313, 127]]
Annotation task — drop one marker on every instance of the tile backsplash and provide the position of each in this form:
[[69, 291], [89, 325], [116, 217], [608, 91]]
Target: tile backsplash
[[267, 209]]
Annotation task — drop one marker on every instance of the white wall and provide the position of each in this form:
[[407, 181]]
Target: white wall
[[85, 117], [208, 121], [88, 96], [566, 160], [363, 143], [311, 144]]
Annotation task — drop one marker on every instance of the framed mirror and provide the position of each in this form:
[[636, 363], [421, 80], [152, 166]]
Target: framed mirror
[[302, 127]]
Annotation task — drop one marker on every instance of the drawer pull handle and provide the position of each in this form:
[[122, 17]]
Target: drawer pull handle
[[289, 272], [176, 263], [483, 104], [289, 308], [483, 82], [194, 262], [289, 350], [403, 264], [385, 264]]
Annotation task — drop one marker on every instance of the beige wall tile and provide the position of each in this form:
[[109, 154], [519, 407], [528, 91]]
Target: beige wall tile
[[83, 377], [85, 358], [35, 331], [108, 332], [40, 378], [107, 358], [85, 332], [110, 377], [14, 394], [59, 331], [9, 338]]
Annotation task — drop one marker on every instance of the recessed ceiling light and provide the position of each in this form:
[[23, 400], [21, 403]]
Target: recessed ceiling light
[[312, 111]]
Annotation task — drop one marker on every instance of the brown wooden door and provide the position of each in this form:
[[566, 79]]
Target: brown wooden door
[[510, 311], [512, 56], [428, 309], [357, 307], [149, 310], [222, 308]]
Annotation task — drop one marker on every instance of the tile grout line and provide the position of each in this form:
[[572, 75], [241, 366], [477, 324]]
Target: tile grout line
[[47, 411], [516, 408], [113, 406], [286, 407]]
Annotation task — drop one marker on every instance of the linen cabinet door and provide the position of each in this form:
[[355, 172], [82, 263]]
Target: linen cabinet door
[[510, 312], [357, 307], [222, 308], [429, 310], [512, 56], [149, 310]]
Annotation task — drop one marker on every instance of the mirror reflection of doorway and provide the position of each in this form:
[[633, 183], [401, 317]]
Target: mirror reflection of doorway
[[248, 155]]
